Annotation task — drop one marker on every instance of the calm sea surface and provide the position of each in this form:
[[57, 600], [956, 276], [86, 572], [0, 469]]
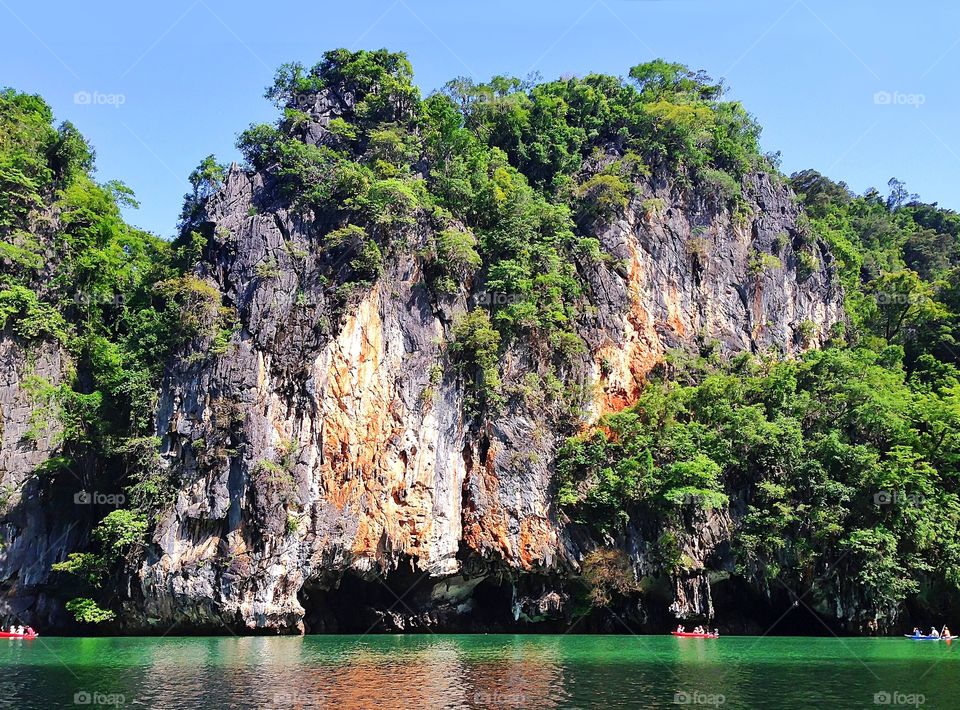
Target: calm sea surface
[[477, 671]]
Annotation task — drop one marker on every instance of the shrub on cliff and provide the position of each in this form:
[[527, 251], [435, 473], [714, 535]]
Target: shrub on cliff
[[87, 611], [475, 349], [453, 258], [380, 83], [603, 196]]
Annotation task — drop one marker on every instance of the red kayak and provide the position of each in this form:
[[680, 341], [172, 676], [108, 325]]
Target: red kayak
[[692, 635], [8, 635]]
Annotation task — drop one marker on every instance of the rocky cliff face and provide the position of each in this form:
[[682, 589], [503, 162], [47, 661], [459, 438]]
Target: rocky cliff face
[[325, 461], [40, 525]]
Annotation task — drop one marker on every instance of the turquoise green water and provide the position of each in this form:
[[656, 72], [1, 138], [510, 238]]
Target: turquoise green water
[[478, 671]]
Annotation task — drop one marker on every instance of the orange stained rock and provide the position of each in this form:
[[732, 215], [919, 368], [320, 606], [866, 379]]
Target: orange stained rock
[[367, 539], [537, 538], [674, 319], [361, 415], [486, 523]]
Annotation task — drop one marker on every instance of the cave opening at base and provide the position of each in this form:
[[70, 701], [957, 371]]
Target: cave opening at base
[[407, 600], [740, 609]]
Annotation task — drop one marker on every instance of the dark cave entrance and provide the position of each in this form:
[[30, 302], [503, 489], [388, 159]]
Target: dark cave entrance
[[406, 600], [741, 609]]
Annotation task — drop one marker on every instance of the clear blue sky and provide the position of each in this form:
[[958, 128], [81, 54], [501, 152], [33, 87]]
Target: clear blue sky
[[191, 73]]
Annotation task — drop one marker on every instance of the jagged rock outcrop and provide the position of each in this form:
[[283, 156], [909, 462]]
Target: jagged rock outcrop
[[330, 441]]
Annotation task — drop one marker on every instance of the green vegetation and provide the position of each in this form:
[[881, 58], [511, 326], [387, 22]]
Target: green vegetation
[[119, 534], [453, 259], [847, 458], [811, 444], [87, 611], [762, 263], [474, 348]]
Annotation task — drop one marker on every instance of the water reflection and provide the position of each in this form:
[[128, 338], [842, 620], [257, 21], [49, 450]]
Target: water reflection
[[351, 672], [470, 672]]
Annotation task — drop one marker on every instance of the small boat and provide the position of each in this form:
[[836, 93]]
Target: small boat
[[10, 635], [913, 637], [693, 635]]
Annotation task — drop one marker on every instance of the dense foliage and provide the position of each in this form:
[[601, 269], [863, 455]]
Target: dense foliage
[[847, 459]]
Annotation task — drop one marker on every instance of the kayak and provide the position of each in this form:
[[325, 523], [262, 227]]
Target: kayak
[[8, 635], [929, 638], [692, 635]]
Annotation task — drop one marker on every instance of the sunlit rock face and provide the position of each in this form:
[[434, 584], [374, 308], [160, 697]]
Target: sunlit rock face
[[330, 439]]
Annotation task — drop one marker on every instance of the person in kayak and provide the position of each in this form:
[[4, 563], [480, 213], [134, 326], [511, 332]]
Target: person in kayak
[[946, 632], [916, 631], [934, 633], [680, 629]]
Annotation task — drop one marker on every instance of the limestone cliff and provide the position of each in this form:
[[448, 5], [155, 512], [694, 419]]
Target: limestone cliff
[[332, 465], [315, 450]]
